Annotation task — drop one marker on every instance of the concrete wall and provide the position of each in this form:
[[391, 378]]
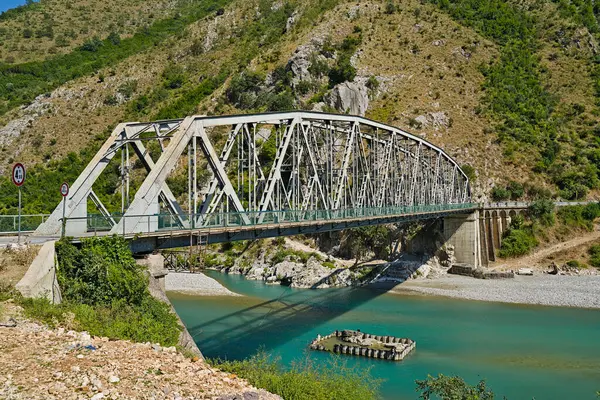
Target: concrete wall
[[40, 278], [463, 232], [156, 285]]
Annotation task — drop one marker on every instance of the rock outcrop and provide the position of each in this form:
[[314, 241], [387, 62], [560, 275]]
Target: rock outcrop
[[436, 120], [349, 97]]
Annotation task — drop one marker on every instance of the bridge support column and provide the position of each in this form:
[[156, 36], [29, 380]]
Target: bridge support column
[[463, 232]]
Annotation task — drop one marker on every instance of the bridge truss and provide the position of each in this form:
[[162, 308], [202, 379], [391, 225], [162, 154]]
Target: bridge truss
[[260, 168]]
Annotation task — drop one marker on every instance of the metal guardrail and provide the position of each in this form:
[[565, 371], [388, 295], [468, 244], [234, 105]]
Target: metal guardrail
[[97, 223], [168, 222], [9, 224], [526, 204]]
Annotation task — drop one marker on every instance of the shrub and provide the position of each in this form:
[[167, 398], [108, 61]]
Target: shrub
[[578, 216], [390, 7], [343, 71], [516, 190], [470, 172], [372, 83], [243, 89], [500, 194], [102, 270], [517, 242], [318, 67], [543, 211], [173, 76], [92, 45], [106, 293], [576, 264], [594, 252], [306, 379], [114, 38], [328, 264], [452, 388], [295, 255]]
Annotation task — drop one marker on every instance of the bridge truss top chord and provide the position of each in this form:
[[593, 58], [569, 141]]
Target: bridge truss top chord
[[296, 161]]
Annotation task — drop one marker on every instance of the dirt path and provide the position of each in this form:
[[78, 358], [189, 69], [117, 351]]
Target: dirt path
[[537, 259]]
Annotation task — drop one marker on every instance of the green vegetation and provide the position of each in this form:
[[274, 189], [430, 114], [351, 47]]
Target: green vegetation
[[296, 255], [529, 120], [517, 241], [512, 191], [579, 216], [470, 172], [306, 379], [543, 211], [576, 264], [105, 293], [343, 70], [594, 253], [514, 94], [369, 238], [452, 388], [523, 236], [20, 84]]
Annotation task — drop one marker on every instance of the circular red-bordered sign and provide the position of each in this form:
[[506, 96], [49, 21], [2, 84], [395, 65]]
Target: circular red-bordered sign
[[18, 174], [64, 189]]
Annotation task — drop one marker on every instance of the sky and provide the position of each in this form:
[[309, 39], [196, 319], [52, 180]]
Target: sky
[[7, 4]]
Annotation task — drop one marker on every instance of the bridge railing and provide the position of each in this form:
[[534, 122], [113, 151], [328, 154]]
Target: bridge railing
[[169, 222], [9, 224]]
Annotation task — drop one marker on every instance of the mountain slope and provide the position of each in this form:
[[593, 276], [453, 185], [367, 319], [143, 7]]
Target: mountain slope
[[507, 88]]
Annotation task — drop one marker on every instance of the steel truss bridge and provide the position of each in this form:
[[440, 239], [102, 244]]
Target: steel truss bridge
[[293, 170]]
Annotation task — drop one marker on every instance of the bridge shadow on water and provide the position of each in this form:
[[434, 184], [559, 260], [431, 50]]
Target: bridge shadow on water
[[271, 323]]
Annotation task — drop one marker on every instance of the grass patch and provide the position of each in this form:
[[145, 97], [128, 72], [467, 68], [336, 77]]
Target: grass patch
[[306, 379], [328, 264]]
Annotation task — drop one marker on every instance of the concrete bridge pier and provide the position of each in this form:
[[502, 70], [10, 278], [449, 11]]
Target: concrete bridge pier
[[463, 232], [477, 237]]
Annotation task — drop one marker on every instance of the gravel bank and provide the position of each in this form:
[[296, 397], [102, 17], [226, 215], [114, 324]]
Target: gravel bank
[[39, 363], [196, 284], [566, 291]]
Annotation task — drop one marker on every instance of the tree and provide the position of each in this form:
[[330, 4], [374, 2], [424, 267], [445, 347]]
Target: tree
[[390, 7], [452, 388], [543, 210]]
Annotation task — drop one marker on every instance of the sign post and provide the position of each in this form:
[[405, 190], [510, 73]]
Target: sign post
[[18, 178], [64, 191]]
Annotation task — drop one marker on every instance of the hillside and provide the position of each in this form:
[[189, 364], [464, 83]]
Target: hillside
[[509, 88]]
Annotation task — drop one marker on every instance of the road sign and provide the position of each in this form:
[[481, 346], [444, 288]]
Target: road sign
[[18, 175], [64, 189]]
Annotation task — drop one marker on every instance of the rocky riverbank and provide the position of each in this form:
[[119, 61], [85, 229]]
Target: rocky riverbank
[[300, 266], [41, 363]]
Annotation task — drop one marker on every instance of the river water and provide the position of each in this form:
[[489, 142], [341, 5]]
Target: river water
[[522, 351]]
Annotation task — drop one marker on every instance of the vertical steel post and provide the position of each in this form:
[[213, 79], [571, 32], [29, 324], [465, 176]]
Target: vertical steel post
[[64, 223], [19, 237]]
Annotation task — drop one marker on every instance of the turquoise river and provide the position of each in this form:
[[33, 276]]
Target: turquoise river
[[523, 352]]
